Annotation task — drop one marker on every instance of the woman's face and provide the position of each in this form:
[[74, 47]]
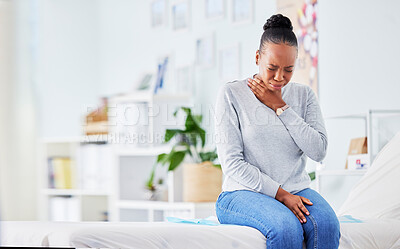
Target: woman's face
[[276, 64]]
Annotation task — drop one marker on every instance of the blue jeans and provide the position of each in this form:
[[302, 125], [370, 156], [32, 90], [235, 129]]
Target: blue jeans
[[277, 222]]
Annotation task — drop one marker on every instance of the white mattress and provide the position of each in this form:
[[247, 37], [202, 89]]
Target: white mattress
[[370, 234], [373, 233], [129, 235]]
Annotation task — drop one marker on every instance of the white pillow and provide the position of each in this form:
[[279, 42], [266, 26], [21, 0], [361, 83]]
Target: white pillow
[[377, 194]]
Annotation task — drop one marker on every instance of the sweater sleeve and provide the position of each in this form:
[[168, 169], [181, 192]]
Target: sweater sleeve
[[230, 148], [309, 133]]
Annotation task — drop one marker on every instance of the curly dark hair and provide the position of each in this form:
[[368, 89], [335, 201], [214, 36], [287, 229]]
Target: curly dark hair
[[278, 29]]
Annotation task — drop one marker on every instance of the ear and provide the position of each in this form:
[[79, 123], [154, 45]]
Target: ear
[[257, 56]]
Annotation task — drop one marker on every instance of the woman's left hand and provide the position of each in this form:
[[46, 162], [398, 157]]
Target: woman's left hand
[[272, 99]]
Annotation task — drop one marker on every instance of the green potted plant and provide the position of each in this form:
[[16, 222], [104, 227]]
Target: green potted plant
[[312, 175], [202, 179]]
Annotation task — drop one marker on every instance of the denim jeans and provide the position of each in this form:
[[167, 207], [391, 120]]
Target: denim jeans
[[277, 223]]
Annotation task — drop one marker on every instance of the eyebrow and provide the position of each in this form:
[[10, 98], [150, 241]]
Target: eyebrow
[[277, 66]]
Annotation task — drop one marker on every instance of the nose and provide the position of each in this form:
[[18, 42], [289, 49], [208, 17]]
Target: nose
[[278, 75]]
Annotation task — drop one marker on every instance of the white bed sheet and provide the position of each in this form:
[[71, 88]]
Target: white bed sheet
[[374, 233], [169, 235], [37, 233], [129, 235], [376, 195]]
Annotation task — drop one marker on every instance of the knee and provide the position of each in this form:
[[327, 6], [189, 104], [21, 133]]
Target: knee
[[221, 214], [331, 223], [328, 224], [287, 230]]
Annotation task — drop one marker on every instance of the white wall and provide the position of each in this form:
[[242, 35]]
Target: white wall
[[358, 60], [67, 64], [18, 113], [130, 46], [93, 48], [359, 55], [6, 91]]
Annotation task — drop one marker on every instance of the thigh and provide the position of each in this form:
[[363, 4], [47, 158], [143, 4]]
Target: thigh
[[322, 226], [273, 219], [320, 208]]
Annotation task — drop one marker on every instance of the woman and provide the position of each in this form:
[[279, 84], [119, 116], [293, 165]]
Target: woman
[[270, 127]]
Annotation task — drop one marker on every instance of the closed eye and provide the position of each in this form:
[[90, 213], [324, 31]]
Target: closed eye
[[286, 70]]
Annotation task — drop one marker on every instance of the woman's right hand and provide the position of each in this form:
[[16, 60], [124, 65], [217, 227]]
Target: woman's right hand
[[294, 203]]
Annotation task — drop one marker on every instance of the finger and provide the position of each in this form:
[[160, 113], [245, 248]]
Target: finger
[[301, 215], [306, 201], [253, 89], [300, 219], [257, 84], [304, 209], [294, 212], [259, 81], [253, 85], [256, 76], [250, 83]]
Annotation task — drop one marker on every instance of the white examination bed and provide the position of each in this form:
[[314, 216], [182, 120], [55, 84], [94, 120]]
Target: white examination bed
[[375, 201], [130, 235], [375, 233]]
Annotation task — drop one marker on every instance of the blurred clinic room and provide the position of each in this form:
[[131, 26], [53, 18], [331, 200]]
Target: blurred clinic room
[[96, 96]]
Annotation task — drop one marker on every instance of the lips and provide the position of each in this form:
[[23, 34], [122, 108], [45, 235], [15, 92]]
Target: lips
[[276, 86]]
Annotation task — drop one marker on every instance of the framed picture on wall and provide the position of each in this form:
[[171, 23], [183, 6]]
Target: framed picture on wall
[[158, 13], [242, 11], [181, 15], [229, 68], [304, 16], [215, 9], [205, 51]]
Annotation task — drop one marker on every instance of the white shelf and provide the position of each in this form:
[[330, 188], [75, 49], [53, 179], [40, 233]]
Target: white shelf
[[350, 116], [337, 172], [163, 205], [342, 172], [146, 96], [74, 192], [172, 97], [78, 139], [65, 140], [128, 162], [95, 138], [187, 210], [142, 151]]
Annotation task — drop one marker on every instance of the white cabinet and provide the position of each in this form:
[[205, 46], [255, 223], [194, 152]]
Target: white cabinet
[[134, 159], [81, 198], [379, 126], [159, 210], [341, 125], [140, 119]]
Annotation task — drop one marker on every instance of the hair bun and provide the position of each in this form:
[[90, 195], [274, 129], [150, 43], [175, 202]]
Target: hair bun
[[278, 21]]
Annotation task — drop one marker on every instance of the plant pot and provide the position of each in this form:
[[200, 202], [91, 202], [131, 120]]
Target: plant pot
[[201, 182]]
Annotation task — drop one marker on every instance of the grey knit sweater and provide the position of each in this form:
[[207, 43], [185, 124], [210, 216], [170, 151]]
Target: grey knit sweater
[[260, 151]]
